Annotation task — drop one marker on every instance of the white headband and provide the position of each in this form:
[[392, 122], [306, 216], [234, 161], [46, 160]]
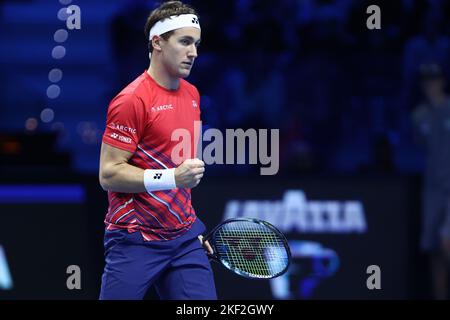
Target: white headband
[[172, 23]]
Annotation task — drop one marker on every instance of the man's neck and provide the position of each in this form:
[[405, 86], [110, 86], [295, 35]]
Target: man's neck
[[162, 77]]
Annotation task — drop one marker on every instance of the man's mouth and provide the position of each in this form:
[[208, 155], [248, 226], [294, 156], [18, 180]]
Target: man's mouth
[[188, 63]]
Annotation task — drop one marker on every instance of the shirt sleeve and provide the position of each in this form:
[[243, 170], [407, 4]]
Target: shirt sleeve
[[124, 122]]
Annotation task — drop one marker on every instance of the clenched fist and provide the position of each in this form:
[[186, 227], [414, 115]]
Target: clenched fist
[[189, 173]]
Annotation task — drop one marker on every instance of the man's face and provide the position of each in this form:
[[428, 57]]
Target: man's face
[[180, 51]]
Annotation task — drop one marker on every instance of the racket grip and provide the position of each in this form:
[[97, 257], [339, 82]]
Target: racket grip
[[212, 257]]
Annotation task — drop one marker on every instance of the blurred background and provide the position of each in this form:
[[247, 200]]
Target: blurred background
[[351, 105]]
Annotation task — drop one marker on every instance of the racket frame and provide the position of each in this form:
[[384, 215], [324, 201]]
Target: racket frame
[[216, 257]]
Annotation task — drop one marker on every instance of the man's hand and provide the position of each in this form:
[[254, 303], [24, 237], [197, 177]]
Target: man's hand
[[206, 245], [189, 173]]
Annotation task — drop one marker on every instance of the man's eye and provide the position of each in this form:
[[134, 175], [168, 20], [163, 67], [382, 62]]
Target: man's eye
[[185, 42]]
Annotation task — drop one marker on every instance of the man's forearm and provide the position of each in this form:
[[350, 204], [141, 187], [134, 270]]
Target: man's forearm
[[122, 177], [130, 179]]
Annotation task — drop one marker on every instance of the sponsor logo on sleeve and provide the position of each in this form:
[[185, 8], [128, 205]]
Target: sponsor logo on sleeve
[[121, 138], [122, 127]]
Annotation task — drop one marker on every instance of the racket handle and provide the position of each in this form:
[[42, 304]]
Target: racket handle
[[212, 257]]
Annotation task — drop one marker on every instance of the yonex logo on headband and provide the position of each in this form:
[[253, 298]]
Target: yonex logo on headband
[[172, 23]]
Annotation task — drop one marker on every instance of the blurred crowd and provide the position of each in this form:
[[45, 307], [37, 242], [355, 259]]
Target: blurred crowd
[[342, 95], [339, 93]]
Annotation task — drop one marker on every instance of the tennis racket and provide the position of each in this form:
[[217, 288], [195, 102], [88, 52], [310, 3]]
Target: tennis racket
[[251, 248]]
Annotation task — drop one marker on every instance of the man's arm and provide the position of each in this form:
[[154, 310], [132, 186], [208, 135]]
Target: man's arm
[[116, 174]]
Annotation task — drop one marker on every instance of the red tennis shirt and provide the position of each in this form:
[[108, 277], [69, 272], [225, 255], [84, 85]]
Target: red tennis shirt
[[141, 120]]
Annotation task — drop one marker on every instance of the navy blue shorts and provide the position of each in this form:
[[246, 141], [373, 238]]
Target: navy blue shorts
[[178, 268]]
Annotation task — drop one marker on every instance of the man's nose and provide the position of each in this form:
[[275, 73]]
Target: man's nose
[[192, 53]]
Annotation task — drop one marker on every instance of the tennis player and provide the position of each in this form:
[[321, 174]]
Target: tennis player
[[152, 231]]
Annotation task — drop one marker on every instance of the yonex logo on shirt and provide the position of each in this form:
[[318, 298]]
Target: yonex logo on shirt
[[194, 104], [157, 176], [121, 138]]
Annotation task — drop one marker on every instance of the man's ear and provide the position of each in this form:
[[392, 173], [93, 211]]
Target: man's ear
[[156, 43]]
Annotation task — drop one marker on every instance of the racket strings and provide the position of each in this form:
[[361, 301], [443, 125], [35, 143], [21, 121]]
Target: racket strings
[[252, 249]]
